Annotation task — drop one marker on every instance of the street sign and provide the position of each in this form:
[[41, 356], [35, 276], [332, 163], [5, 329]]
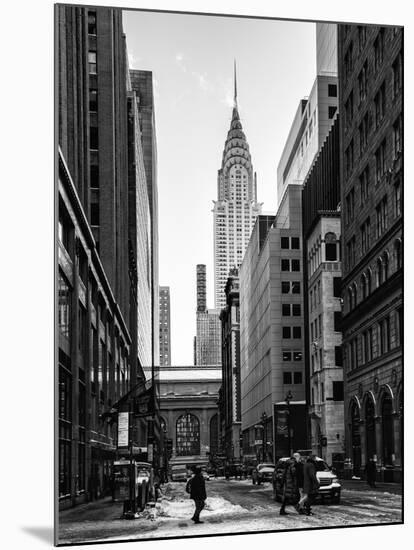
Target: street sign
[[123, 424]]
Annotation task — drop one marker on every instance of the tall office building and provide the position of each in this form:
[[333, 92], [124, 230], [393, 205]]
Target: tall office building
[[371, 151], [201, 288], [207, 342], [272, 366], [314, 116], [236, 207], [103, 248], [165, 326]]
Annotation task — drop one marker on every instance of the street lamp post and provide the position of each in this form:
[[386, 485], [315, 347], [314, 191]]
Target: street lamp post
[[264, 418], [288, 399]]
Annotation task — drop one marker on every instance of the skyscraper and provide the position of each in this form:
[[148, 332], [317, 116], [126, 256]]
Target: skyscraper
[[165, 326], [208, 339], [236, 207]]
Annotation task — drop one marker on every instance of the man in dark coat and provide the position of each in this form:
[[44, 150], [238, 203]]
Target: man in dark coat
[[370, 471], [197, 489], [290, 485], [310, 484]]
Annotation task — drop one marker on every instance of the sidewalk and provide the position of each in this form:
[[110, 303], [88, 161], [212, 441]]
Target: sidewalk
[[362, 485]]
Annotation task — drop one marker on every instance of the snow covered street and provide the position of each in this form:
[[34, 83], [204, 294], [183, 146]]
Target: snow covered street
[[231, 507]]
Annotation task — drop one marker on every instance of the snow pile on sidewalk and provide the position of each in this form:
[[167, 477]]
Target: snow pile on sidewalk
[[177, 504]]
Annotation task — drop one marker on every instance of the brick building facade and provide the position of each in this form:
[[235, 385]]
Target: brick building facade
[[371, 155]]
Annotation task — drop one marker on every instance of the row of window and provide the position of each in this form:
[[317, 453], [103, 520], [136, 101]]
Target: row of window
[[337, 393], [375, 341], [290, 265], [292, 378], [381, 275], [288, 355], [290, 242]]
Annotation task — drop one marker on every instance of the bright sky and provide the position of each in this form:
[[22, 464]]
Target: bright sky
[[191, 57]]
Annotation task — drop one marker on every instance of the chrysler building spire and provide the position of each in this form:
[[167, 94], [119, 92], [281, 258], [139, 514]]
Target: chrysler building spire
[[235, 86]]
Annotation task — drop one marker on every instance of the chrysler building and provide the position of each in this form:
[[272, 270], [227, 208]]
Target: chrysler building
[[236, 208]]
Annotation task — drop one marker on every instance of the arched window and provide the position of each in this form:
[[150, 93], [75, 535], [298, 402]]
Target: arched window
[[385, 262], [370, 428], [369, 278], [188, 435], [331, 254], [350, 300], [397, 252], [387, 431], [355, 293], [379, 272], [364, 293]]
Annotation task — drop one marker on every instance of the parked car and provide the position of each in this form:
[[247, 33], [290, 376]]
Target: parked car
[[329, 485], [263, 472], [179, 472]]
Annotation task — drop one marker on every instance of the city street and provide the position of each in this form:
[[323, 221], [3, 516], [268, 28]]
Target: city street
[[231, 507]]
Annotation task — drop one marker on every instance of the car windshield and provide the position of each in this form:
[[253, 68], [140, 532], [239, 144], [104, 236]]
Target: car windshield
[[321, 466]]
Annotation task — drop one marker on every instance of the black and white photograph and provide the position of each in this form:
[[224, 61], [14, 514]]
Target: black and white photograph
[[229, 274]]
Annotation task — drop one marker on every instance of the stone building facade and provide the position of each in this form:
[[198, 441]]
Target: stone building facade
[[189, 412], [371, 151], [231, 390]]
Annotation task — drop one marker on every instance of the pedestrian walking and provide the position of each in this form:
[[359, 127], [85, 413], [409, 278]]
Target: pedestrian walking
[[310, 485], [370, 472], [290, 492], [299, 481], [196, 487]]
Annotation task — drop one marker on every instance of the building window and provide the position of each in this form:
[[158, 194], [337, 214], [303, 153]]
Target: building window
[[295, 265], [338, 391], [382, 216], [350, 252], [363, 82], [188, 435], [297, 378], [94, 213], [295, 243], [285, 265], [65, 430], [362, 36], [94, 176], [397, 76], [287, 356], [330, 252], [337, 287], [331, 111], [384, 332], [380, 274], [365, 235], [349, 158], [295, 287], [364, 185], [349, 110], [363, 135], [285, 287], [93, 100], [338, 356], [379, 102], [91, 22], [92, 62], [297, 356], [297, 332], [64, 306], [287, 377], [332, 90], [379, 49], [284, 242], [296, 310], [286, 310], [385, 263], [380, 162], [397, 137], [93, 137], [349, 61], [337, 321], [397, 252], [286, 332]]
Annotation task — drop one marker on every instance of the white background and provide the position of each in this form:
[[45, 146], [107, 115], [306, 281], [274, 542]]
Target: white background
[[27, 277]]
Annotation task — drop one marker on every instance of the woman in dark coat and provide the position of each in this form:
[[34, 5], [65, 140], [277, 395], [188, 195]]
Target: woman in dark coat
[[196, 486], [290, 486], [310, 484]]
